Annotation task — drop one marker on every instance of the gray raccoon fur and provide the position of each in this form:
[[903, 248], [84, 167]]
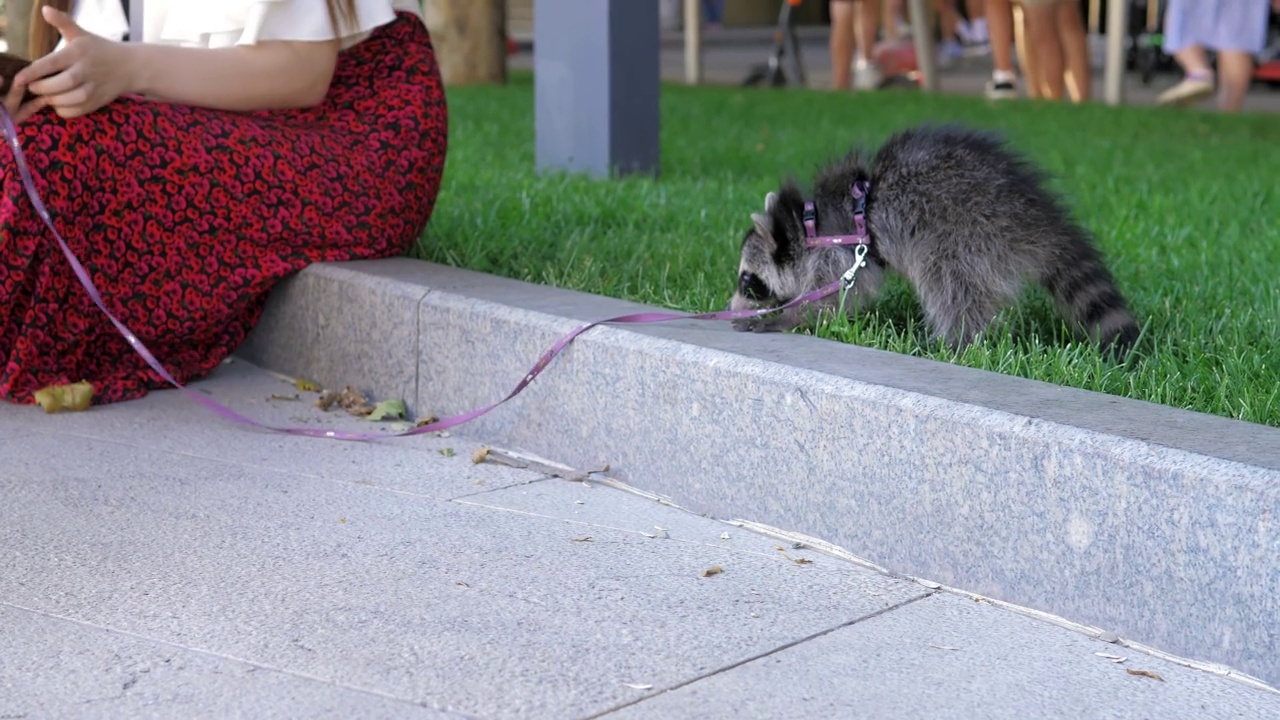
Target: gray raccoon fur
[[964, 218]]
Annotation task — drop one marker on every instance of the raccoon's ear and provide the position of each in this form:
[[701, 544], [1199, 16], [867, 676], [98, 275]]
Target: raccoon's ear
[[786, 223], [760, 224], [770, 202]]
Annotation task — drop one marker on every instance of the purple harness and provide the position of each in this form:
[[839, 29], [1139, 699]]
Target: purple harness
[[859, 191]]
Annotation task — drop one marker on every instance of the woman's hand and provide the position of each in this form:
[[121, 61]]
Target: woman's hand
[[86, 74]]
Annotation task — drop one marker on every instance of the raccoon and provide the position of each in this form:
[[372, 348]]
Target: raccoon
[[963, 217]]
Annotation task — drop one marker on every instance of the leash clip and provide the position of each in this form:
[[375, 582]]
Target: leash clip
[[850, 275]]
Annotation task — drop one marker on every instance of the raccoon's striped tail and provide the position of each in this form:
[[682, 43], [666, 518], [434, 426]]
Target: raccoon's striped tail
[[1086, 293]]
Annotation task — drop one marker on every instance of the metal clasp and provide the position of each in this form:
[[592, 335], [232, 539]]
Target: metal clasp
[[859, 260]]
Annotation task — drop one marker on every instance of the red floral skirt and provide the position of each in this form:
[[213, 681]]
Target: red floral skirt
[[185, 218]]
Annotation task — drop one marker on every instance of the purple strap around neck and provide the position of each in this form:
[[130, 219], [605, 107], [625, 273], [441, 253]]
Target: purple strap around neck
[[11, 136], [859, 191]]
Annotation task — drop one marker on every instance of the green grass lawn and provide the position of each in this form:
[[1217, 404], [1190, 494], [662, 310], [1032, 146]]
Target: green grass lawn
[[1184, 205]]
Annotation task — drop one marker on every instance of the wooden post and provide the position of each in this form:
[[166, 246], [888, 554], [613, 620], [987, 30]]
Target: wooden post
[[1113, 71], [693, 41], [470, 38], [596, 78]]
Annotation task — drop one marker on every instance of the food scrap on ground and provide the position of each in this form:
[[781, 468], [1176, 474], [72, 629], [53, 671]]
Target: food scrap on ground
[[352, 401], [713, 570], [1144, 673], [75, 397]]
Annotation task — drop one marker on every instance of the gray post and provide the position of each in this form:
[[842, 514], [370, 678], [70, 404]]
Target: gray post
[[596, 79], [926, 48], [135, 21]]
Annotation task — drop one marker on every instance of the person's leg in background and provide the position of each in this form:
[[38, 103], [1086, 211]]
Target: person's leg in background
[[1004, 83], [949, 48], [893, 19], [867, 17], [978, 27], [1075, 50], [1242, 37], [1235, 73], [1182, 28], [841, 43], [1044, 42], [1026, 57]]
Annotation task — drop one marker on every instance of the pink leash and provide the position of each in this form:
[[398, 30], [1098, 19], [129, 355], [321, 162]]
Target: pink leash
[[11, 135]]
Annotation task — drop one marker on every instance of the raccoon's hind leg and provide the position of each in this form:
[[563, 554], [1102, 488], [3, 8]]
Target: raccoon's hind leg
[[957, 309], [1086, 293]]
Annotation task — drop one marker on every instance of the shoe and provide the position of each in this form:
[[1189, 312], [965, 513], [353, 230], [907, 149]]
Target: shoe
[[1191, 90], [866, 75], [1001, 90], [949, 53], [975, 48]]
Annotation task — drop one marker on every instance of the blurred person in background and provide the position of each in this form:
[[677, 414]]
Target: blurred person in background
[[1235, 29]]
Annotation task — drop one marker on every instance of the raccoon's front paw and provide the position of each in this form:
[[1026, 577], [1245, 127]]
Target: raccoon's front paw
[[755, 324]]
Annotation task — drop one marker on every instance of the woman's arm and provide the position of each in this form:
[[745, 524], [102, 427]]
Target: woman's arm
[[91, 71], [245, 77]]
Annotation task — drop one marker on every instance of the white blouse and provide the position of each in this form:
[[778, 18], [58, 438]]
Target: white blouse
[[222, 23]]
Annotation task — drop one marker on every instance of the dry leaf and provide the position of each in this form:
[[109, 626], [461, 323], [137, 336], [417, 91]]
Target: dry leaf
[[459, 582], [447, 452], [478, 456], [1144, 673], [306, 385], [427, 420], [278, 396], [342, 520], [638, 687], [75, 397], [584, 538], [326, 400], [713, 570], [802, 561], [354, 402]]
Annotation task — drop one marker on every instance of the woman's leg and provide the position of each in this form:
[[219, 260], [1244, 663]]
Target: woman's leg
[[1184, 33], [1046, 45], [1235, 71], [999, 16], [867, 15], [1026, 58], [1075, 50]]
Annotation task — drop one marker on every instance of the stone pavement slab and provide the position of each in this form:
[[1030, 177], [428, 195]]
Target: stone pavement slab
[[177, 425], [386, 591], [55, 668], [158, 561], [950, 657], [1024, 491]]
